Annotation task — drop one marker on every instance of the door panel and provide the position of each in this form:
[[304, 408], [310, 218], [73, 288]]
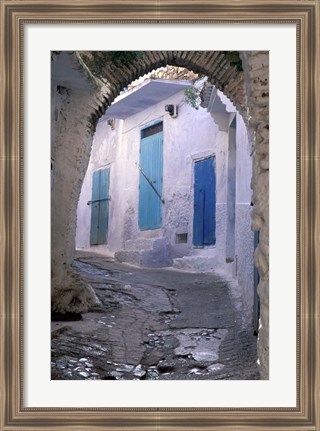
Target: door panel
[[151, 163], [204, 220], [99, 207], [104, 206], [95, 208]]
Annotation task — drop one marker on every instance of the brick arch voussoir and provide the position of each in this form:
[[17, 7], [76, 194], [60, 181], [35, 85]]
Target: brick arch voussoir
[[213, 64]]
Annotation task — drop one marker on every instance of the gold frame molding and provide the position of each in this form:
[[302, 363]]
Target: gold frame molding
[[305, 14]]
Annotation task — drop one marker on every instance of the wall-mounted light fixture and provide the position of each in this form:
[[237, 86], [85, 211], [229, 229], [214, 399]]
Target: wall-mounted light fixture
[[172, 110]]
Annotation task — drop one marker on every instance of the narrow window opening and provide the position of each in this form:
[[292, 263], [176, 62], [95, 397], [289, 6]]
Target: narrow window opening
[[152, 130]]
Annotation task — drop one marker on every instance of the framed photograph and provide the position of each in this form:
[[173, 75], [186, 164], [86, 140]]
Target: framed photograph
[[180, 138]]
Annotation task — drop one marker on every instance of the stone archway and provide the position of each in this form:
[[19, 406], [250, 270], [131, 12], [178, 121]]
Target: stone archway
[[84, 85]]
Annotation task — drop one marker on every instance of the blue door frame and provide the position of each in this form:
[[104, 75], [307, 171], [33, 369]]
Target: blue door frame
[[100, 207], [204, 219]]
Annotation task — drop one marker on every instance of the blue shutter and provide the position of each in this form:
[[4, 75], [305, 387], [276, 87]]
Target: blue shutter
[[151, 163], [95, 208], [204, 220], [104, 206], [99, 207]]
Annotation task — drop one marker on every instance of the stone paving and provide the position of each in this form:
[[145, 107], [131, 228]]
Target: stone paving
[[153, 324]]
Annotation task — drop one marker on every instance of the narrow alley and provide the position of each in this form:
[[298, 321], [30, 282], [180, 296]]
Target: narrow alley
[[153, 324]]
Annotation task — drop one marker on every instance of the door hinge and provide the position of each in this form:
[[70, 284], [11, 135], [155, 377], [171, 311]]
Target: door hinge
[[98, 200]]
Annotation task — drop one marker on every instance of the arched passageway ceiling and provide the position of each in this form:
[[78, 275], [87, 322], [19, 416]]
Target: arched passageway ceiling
[[223, 69]]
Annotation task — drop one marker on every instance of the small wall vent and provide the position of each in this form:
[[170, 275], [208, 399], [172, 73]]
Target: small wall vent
[[181, 238]]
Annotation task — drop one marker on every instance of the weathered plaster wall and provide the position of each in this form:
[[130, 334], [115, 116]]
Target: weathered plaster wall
[[244, 244], [73, 98], [64, 202], [237, 260]]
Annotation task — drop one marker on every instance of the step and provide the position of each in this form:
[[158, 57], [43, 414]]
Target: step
[[132, 257], [139, 244], [197, 263], [158, 257], [155, 257]]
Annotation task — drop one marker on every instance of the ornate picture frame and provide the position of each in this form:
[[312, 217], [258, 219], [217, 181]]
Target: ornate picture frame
[[15, 15]]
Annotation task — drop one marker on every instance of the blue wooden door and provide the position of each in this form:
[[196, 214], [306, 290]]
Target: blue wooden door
[[150, 182], [204, 219], [99, 207]]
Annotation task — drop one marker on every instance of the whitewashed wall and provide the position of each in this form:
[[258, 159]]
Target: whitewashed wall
[[244, 235], [191, 136]]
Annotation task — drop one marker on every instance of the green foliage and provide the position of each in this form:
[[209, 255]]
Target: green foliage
[[193, 94], [192, 97], [124, 57], [119, 58], [234, 59]]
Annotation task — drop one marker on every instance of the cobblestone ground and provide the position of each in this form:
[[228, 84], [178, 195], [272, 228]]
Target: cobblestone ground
[[153, 324]]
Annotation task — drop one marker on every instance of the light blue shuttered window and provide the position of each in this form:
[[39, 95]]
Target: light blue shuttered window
[[99, 206]]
